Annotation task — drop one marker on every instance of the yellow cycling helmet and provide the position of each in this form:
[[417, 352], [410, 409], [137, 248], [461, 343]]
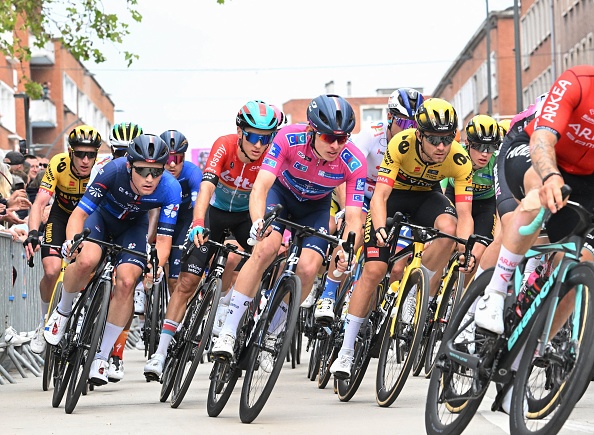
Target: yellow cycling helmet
[[504, 126], [436, 116], [483, 129], [84, 135]]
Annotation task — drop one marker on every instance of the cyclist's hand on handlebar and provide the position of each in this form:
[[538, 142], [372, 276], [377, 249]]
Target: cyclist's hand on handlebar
[[550, 193], [150, 279], [256, 230], [466, 265], [66, 250], [196, 233], [381, 237], [342, 263], [31, 243]]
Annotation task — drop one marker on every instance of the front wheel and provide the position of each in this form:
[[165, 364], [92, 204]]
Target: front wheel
[[402, 338], [551, 384], [223, 378], [268, 355]]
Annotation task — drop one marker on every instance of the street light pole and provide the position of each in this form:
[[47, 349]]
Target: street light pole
[[488, 32], [28, 129], [518, 56]]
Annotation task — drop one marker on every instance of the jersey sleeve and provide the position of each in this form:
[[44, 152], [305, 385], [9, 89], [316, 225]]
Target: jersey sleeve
[[195, 180], [356, 176], [275, 157], [216, 161], [50, 178], [563, 98], [170, 197], [461, 173], [96, 192]]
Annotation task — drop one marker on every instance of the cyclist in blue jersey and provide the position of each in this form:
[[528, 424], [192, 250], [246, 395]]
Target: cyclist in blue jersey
[[116, 206], [229, 174]]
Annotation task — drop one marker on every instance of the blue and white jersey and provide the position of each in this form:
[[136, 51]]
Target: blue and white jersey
[[189, 179], [112, 192]]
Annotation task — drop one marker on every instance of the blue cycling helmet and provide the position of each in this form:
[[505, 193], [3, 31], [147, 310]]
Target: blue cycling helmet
[[148, 148], [331, 114], [257, 114], [178, 144], [403, 103]]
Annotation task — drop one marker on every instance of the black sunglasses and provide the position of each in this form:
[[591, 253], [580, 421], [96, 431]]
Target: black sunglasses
[[483, 148], [436, 140], [82, 154], [144, 172]]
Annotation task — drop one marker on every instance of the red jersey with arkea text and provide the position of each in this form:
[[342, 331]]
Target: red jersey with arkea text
[[568, 111]]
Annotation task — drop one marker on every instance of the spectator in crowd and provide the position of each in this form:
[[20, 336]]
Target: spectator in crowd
[[34, 162], [11, 200], [15, 159]]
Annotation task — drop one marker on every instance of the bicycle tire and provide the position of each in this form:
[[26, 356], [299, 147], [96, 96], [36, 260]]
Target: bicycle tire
[[61, 374], [167, 377], [390, 378], [93, 324], [420, 356], [49, 356], [198, 336], [253, 398], [157, 316], [448, 408], [148, 319], [222, 383], [328, 348], [346, 388], [574, 365], [314, 360], [451, 291]]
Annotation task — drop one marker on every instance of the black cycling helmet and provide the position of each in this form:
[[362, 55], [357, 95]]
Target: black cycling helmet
[[148, 148], [331, 114], [177, 141]]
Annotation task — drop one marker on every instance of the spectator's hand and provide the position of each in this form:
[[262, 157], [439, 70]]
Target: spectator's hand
[[12, 218], [14, 198]]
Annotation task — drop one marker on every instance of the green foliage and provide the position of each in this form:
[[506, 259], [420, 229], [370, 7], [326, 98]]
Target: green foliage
[[80, 25]]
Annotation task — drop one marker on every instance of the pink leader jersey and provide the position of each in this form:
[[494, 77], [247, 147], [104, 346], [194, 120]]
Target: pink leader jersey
[[292, 160]]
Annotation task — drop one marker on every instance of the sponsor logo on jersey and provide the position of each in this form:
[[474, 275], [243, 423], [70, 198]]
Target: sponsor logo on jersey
[[549, 110], [274, 150], [351, 161], [300, 167], [432, 172], [372, 252], [303, 156], [360, 185], [295, 139], [171, 210], [358, 198], [522, 150], [581, 135], [268, 161], [330, 175]]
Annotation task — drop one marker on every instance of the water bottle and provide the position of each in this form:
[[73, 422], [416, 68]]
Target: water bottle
[[529, 291]]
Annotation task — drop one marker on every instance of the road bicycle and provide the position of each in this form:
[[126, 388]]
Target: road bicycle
[[187, 348], [553, 366], [264, 335], [74, 353], [155, 308], [440, 308]]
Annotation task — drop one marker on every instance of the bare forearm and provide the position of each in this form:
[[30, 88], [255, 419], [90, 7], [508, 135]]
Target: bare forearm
[[542, 152]]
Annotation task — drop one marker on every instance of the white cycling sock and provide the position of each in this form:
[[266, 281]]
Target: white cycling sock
[[237, 306], [167, 333], [65, 304], [503, 272], [110, 335], [352, 326], [226, 299], [44, 308]]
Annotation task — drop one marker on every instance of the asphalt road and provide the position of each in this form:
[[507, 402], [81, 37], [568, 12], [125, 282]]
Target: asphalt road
[[296, 406]]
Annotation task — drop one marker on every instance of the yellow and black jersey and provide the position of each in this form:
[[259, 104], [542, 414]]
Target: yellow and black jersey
[[403, 168], [59, 179]]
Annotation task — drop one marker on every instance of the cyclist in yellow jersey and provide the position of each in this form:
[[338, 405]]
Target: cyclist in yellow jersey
[[66, 179], [414, 163]]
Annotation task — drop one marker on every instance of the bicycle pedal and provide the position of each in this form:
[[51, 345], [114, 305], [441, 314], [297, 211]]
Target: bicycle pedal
[[151, 377]]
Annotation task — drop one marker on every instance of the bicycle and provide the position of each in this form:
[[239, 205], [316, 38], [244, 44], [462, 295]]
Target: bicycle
[[48, 356], [154, 312], [265, 332], [440, 309], [552, 370], [75, 351], [187, 347]]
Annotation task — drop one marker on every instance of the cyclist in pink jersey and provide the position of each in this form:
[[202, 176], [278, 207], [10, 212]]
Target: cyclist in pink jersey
[[304, 164]]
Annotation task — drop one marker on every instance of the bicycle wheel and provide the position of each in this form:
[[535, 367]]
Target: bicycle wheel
[[266, 360], [197, 337], [454, 395], [348, 387], [61, 372], [448, 301], [223, 378], [49, 357], [401, 340], [328, 348], [314, 360], [551, 384], [158, 309], [91, 318], [420, 356]]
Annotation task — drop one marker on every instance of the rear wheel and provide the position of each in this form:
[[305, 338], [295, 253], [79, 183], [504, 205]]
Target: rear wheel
[[348, 387], [266, 359], [48, 363], [552, 384], [223, 378]]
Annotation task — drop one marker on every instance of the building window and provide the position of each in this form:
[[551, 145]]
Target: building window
[[7, 107], [371, 114]]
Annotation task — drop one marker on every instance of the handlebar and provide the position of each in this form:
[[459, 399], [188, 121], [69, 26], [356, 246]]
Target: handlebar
[[268, 218], [543, 215], [349, 247]]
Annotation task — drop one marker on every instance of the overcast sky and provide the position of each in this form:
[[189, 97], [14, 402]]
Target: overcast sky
[[201, 61]]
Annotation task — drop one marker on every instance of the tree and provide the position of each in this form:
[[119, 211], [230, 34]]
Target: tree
[[80, 25]]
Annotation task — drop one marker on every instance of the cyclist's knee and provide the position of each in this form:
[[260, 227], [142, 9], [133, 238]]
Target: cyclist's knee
[[187, 283], [374, 271]]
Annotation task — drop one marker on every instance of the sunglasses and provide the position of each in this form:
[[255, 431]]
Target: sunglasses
[[483, 148], [144, 172], [43, 165], [175, 158], [331, 138], [405, 124], [254, 138], [436, 140], [82, 154]]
